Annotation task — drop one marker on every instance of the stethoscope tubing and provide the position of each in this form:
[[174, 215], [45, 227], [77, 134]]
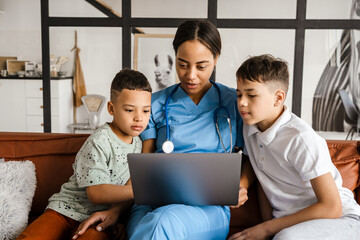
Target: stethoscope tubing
[[215, 118]]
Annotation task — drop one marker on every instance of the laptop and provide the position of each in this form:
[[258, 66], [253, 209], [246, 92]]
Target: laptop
[[185, 178]]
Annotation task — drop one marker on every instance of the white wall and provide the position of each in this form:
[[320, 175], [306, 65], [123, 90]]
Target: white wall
[[328, 9], [100, 58], [20, 29], [169, 8], [257, 9]]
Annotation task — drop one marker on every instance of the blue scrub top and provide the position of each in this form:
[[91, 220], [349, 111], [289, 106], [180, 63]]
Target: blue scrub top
[[192, 127]]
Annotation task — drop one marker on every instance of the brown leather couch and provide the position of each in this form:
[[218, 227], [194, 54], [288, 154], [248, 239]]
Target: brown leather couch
[[53, 155]]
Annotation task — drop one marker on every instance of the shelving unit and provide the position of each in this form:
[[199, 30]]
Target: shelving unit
[[22, 101]]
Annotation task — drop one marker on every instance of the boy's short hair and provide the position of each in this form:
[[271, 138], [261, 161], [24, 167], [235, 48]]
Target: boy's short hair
[[265, 69], [128, 79]]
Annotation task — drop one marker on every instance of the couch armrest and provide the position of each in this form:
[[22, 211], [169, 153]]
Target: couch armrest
[[53, 155], [346, 157]]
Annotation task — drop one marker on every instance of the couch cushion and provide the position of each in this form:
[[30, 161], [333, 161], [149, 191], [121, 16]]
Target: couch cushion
[[248, 214], [52, 154], [345, 156]]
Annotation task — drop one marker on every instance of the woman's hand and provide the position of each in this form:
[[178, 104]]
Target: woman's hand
[[106, 218], [243, 197]]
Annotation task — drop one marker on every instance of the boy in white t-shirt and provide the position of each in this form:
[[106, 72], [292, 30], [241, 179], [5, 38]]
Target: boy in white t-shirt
[[101, 178], [291, 162]]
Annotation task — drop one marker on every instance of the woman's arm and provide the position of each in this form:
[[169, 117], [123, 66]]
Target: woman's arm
[[328, 205]]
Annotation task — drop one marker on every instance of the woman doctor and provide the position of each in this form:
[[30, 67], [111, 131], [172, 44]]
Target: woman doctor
[[196, 115], [190, 117]]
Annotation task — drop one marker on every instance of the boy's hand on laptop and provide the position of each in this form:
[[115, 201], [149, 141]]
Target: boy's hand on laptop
[[106, 218], [243, 197]]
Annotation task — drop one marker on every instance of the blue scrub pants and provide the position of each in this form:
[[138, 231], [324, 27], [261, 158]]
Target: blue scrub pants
[[178, 221]]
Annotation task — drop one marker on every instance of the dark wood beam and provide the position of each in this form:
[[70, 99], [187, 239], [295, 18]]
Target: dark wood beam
[[332, 24], [157, 22], [212, 11], [257, 23], [299, 57], [103, 8], [126, 34], [84, 22], [45, 46], [212, 16]]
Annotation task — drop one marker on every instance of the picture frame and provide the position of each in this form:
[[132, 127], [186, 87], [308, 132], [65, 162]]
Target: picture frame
[[155, 58]]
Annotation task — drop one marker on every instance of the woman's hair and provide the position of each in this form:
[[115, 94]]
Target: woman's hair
[[265, 69], [128, 79], [203, 31]]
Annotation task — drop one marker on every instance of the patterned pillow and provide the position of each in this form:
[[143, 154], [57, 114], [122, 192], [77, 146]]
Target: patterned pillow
[[17, 189]]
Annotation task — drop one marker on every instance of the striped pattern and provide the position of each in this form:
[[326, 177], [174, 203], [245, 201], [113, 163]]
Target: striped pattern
[[328, 113], [354, 71]]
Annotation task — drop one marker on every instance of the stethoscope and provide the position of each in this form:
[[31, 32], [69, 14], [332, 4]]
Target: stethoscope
[[168, 146]]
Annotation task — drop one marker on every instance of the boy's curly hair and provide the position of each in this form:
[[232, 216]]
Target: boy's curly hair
[[128, 79]]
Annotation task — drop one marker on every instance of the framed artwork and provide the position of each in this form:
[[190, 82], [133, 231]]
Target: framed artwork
[[331, 76], [331, 87], [155, 58]]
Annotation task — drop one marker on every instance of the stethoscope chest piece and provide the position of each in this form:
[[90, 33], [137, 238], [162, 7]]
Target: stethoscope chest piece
[[167, 146]]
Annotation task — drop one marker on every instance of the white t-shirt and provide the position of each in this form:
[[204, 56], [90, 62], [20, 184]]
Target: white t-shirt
[[285, 158]]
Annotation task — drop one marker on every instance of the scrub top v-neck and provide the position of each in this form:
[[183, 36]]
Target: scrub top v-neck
[[192, 127]]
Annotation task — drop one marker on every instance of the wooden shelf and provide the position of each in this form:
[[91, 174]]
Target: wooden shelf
[[34, 77]]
